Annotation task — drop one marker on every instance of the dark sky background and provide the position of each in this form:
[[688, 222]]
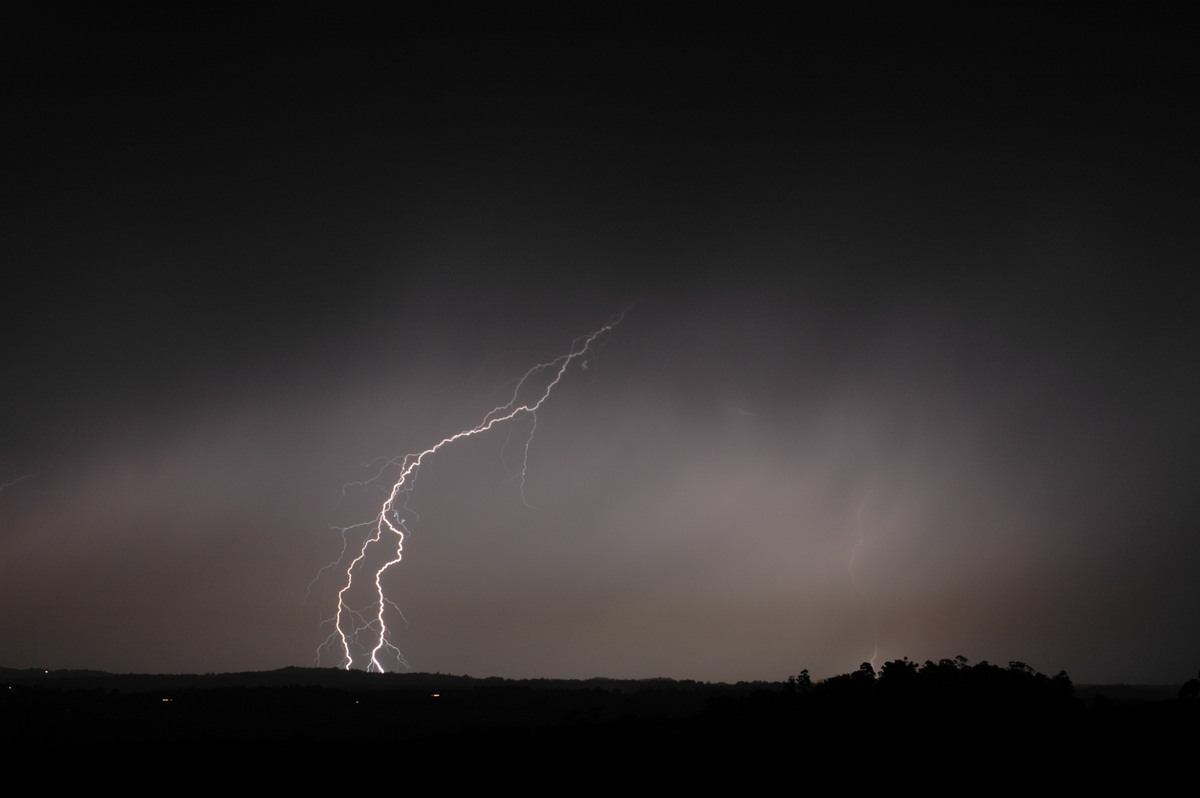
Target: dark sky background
[[910, 366]]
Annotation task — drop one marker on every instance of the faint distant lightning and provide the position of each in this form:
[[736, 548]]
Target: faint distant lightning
[[853, 573], [350, 625], [525, 457], [6, 485]]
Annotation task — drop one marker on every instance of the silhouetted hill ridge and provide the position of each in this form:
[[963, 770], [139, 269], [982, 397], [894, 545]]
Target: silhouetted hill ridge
[[337, 678], [467, 733]]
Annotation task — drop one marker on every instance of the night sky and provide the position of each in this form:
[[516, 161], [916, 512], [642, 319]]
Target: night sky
[[908, 367]]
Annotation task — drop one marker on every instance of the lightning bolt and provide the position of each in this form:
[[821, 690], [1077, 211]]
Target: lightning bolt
[[525, 456], [388, 529], [6, 485], [853, 573]]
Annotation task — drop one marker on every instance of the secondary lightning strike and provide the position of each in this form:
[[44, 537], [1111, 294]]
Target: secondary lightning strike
[[853, 573], [6, 485], [525, 458], [349, 624]]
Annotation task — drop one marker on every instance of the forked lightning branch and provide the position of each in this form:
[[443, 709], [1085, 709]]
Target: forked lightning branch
[[362, 636]]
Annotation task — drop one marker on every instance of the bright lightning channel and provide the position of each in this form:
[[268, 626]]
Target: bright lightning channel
[[388, 525]]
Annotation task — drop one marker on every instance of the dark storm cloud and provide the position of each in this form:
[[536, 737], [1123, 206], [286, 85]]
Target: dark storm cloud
[[905, 363]]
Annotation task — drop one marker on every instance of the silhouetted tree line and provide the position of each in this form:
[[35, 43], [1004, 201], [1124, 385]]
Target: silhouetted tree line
[[954, 677], [1190, 688], [950, 692], [949, 717]]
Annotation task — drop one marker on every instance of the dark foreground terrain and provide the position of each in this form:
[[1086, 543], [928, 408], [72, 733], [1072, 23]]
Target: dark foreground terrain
[[946, 724]]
